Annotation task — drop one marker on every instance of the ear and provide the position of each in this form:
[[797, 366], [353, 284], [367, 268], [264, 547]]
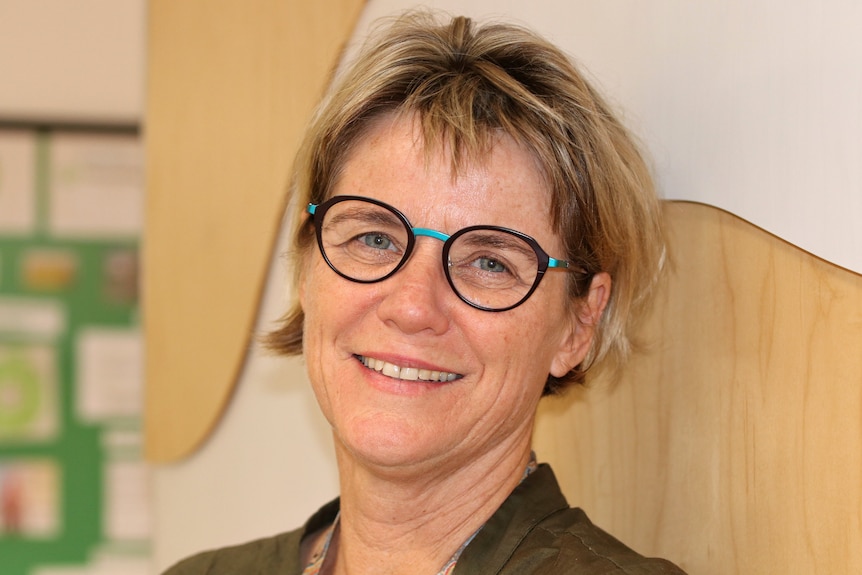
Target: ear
[[585, 317]]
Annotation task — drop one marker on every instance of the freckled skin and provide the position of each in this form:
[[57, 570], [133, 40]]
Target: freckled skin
[[414, 319]]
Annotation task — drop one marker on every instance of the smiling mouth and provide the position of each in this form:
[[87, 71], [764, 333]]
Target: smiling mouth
[[406, 373]]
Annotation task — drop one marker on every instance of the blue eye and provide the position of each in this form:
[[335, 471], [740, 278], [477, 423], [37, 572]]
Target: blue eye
[[377, 241], [490, 265]]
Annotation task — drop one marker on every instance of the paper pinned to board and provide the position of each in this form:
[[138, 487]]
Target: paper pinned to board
[[96, 185], [109, 373], [29, 498], [17, 181]]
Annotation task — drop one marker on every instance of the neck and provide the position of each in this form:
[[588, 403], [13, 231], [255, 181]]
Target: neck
[[412, 520]]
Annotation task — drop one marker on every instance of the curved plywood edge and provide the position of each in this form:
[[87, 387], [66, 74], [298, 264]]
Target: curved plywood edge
[[733, 442], [230, 88]]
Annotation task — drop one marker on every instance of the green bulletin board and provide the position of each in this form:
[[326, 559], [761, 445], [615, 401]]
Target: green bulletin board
[[73, 486]]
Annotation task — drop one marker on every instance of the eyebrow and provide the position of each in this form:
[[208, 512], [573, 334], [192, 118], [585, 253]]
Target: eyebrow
[[498, 240], [368, 215]]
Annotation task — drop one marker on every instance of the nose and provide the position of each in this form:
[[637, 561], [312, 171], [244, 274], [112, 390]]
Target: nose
[[416, 298]]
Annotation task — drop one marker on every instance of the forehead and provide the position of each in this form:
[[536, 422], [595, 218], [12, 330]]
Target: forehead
[[504, 186]]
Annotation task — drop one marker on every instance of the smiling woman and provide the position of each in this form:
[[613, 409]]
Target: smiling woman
[[484, 230]]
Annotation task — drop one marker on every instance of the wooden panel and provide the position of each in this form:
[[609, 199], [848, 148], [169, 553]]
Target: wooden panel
[[734, 444], [230, 88]]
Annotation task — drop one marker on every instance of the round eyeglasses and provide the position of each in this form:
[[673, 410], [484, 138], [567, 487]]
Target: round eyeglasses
[[489, 267]]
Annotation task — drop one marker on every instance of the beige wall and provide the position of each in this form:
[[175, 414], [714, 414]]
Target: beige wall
[[79, 61]]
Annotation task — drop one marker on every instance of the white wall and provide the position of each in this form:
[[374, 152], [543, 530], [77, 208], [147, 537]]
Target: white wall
[[755, 107]]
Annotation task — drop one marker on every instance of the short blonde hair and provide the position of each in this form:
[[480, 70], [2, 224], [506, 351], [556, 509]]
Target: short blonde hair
[[467, 84]]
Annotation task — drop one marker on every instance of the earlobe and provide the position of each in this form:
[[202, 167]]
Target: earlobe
[[584, 320]]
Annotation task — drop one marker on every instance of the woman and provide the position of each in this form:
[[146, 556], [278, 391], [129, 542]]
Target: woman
[[477, 229]]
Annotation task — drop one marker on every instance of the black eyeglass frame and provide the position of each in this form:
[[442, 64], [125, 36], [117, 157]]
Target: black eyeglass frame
[[545, 262]]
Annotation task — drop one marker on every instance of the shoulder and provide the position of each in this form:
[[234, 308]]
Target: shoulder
[[271, 555], [535, 531], [568, 542]]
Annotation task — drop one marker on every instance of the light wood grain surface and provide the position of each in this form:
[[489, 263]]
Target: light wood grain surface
[[230, 89], [733, 444]]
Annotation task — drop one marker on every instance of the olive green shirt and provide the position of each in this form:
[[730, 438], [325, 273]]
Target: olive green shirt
[[534, 531]]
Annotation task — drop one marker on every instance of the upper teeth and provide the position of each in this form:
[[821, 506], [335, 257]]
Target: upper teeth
[[408, 373]]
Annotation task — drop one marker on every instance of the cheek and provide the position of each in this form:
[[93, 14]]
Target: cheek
[[318, 285], [313, 297], [530, 342], [305, 266], [332, 306], [518, 349]]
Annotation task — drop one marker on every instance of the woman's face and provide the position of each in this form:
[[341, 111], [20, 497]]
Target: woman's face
[[414, 319]]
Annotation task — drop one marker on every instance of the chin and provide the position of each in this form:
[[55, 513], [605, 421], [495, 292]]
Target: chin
[[389, 441]]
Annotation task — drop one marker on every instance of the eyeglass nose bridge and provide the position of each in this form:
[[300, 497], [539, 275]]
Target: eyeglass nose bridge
[[430, 233]]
